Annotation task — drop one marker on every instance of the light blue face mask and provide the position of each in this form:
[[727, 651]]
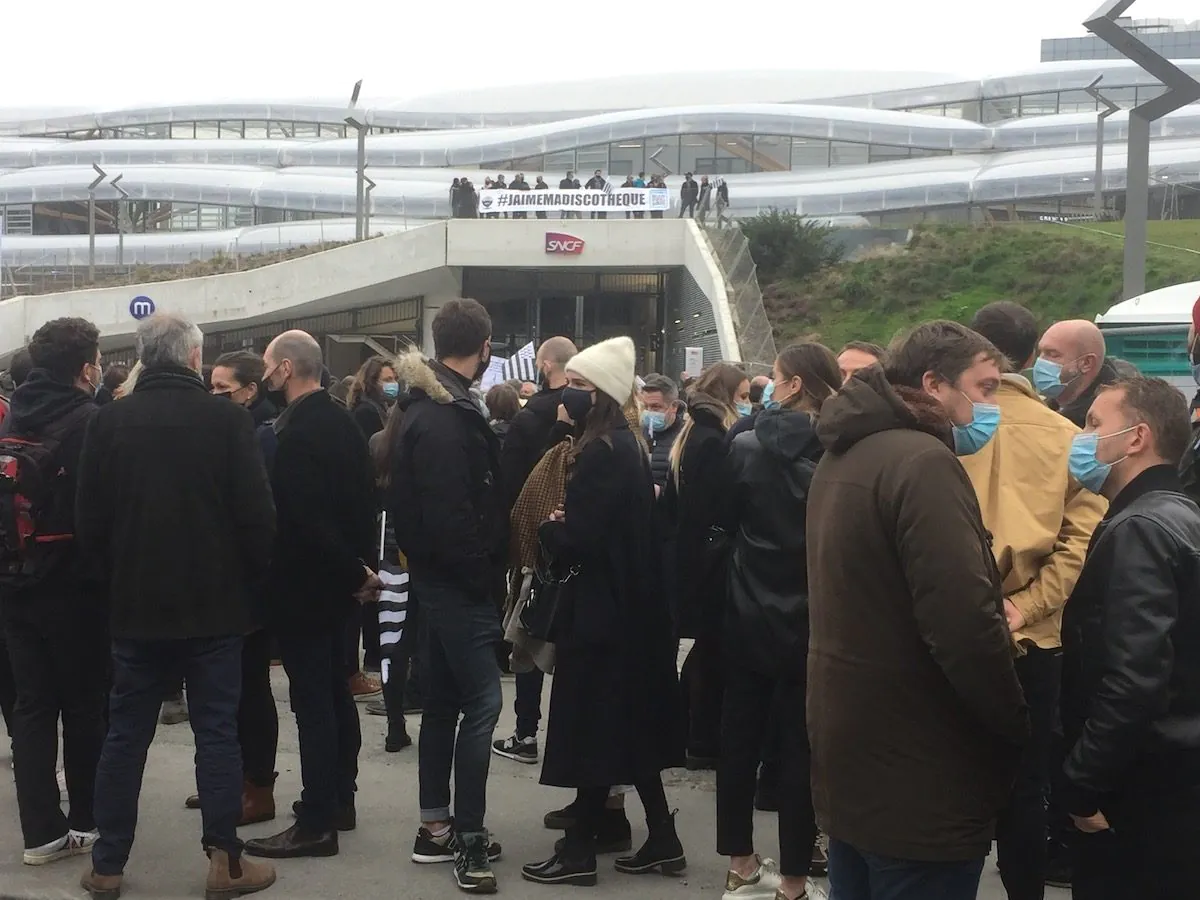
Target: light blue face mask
[[1047, 378], [391, 389], [972, 437], [745, 409], [768, 397], [1083, 464], [654, 422]]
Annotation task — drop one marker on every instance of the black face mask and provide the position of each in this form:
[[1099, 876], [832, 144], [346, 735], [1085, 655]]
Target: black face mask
[[481, 369]]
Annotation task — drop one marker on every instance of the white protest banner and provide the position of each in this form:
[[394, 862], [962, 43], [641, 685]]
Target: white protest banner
[[494, 374], [693, 364], [613, 200]]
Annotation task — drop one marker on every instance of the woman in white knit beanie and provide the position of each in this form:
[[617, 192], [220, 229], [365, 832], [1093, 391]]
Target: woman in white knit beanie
[[614, 700]]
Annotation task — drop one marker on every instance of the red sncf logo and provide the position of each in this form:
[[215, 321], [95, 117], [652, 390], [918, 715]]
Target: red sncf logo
[[563, 243]]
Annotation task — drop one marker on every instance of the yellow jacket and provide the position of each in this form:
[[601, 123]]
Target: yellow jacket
[[1040, 518]]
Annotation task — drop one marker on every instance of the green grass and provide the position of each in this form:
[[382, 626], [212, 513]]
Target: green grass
[[950, 271]]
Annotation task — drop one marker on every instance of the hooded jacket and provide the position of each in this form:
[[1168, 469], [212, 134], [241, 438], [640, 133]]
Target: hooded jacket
[[527, 440], [445, 498], [771, 470], [915, 714]]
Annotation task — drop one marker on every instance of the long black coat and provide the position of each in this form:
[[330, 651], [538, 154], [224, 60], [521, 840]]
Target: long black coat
[[173, 510], [614, 702], [325, 493], [691, 502], [527, 441]]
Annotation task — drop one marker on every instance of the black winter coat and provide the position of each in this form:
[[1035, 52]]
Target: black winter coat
[[614, 701], [660, 444], [445, 498], [371, 415], [691, 505], [263, 410], [527, 440], [173, 510], [325, 496], [770, 470], [1131, 648]]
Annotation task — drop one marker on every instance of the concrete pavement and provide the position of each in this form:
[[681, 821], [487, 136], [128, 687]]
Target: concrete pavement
[[167, 861]]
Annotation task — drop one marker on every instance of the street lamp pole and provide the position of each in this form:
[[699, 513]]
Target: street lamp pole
[[1093, 91], [360, 226], [370, 186], [120, 228], [100, 176]]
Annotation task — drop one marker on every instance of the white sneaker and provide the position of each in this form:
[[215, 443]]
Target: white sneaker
[[73, 843], [762, 885]]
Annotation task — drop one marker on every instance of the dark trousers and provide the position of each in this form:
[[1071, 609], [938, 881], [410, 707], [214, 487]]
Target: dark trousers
[[747, 705], [458, 635], [258, 720], [143, 672], [327, 723], [528, 703], [1021, 828], [687, 208], [1151, 851], [8, 688], [703, 679], [58, 667], [856, 875], [362, 634]]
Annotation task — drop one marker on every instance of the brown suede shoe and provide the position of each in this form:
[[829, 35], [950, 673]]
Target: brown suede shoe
[[192, 802], [229, 878], [101, 887], [258, 803]]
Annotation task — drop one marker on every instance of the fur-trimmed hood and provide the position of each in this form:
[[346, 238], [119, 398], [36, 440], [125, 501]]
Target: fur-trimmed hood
[[417, 373]]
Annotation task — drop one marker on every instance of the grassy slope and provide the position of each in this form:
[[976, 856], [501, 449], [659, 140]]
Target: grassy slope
[[951, 271]]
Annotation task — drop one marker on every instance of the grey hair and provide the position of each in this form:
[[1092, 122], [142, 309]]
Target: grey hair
[[302, 349], [663, 385], [167, 339]]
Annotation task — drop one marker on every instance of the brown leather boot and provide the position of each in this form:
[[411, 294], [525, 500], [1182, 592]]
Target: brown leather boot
[[258, 803], [229, 878], [101, 887]]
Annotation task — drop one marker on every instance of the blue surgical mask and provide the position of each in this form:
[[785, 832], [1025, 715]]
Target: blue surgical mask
[[1047, 377], [744, 409], [1083, 464], [654, 422], [768, 397], [972, 438], [391, 389]]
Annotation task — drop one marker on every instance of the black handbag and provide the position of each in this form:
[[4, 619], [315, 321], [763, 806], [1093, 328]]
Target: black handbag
[[549, 599]]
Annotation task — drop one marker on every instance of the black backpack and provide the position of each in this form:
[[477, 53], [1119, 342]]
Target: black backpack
[[36, 520]]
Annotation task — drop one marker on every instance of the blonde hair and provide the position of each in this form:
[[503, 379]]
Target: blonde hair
[[719, 383]]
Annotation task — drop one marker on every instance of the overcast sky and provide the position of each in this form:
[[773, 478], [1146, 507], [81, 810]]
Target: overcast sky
[[132, 52]]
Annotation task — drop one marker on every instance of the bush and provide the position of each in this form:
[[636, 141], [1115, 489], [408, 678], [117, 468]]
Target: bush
[[789, 246]]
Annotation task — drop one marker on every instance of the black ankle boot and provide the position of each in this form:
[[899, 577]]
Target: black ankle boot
[[661, 852], [613, 834], [573, 862]]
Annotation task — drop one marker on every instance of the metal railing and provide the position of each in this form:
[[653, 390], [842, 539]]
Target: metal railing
[[754, 333]]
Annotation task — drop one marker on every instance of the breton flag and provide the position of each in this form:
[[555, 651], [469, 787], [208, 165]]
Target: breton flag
[[393, 608], [521, 366], [608, 188]]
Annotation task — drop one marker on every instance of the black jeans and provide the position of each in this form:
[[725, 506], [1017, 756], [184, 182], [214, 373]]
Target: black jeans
[[8, 688], [703, 680], [57, 649], [258, 719], [749, 697], [856, 875], [458, 635], [1021, 828], [143, 672], [528, 702], [327, 722]]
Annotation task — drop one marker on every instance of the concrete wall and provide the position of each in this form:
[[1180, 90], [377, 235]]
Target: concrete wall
[[424, 262]]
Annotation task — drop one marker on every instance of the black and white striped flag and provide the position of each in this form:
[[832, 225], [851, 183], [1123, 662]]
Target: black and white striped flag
[[608, 188], [521, 366], [393, 608]]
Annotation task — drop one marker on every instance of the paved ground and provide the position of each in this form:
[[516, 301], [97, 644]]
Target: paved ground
[[167, 862]]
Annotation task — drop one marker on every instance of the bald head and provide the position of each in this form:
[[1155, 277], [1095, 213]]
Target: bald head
[[552, 359], [293, 364], [1078, 346]]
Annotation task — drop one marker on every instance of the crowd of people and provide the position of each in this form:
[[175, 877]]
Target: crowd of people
[[933, 603], [696, 199]]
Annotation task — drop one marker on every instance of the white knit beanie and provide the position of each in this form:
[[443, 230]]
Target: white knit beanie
[[608, 365]]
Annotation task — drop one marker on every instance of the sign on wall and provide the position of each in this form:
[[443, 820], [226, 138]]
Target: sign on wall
[[643, 200], [141, 307]]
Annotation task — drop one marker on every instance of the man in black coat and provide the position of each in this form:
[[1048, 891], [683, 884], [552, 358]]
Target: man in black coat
[[523, 448], [447, 505], [54, 628], [662, 420], [325, 497], [1131, 654], [174, 517]]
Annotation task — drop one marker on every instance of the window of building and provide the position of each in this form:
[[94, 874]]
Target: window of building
[[1076, 102], [735, 154], [255, 129], [662, 155], [810, 154], [183, 130], [231, 129], [326, 130], [887, 153], [1000, 109], [772, 153], [560, 163], [844, 153], [1039, 104], [693, 148], [626, 158], [589, 159]]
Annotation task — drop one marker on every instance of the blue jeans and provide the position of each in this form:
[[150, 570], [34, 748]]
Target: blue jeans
[[855, 875], [143, 673], [458, 635]]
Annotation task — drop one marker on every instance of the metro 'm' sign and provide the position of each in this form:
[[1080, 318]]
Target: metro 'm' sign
[[563, 243]]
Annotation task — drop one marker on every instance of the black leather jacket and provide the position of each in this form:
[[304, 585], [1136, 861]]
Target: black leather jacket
[[1131, 643]]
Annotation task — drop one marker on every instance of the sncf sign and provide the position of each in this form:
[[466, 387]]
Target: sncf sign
[[563, 243]]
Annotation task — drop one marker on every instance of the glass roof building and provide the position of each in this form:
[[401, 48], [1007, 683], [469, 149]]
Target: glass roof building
[[891, 147]]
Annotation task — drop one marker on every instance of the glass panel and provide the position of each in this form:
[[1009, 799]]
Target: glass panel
[[693, 148], [1075, 102], [1039, 104], [735, 153], [662, 155], [626, 158], [183, 129], [232, 129], [305, 130], [999, 109], [329, 131], [886, 153], [845, 154], [1149, 92], [210, 130], [560, 163], [772, 153], [810, 154], [256, 130], [591, 158], [159, 130]]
